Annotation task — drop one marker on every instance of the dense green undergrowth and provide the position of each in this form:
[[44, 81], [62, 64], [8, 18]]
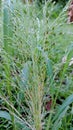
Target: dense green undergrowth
[[36, 68]]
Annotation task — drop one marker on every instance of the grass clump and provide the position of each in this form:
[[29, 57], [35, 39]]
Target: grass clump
[[36, 73]]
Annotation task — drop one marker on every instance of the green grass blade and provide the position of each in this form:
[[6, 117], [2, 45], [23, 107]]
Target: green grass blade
[[7, 26], [62, 108]]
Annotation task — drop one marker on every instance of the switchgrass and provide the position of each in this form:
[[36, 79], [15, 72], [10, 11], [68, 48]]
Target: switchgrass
[[36, 67]]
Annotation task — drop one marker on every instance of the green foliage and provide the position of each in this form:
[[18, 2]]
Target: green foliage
[[7, 26], [60, 112], [4, 114], [36, 68]]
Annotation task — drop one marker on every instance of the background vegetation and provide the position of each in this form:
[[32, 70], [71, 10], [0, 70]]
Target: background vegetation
[[36, 67]]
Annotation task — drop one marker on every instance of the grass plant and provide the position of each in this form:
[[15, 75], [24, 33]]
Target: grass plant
[[36, 68]]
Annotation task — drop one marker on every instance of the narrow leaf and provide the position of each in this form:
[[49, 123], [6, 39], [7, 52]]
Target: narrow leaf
[[66, 103]]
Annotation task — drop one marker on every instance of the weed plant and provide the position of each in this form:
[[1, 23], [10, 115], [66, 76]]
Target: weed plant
[[36, 67]]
